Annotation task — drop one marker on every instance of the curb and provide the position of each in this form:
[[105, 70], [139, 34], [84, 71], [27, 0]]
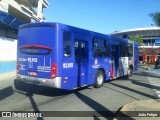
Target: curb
[[121, 110], [154, 105]]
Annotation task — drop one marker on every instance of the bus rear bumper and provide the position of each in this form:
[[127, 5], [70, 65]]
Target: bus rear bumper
[[56, 82]]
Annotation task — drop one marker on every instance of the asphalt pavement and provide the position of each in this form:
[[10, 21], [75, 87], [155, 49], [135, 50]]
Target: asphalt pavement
[[138, 109]]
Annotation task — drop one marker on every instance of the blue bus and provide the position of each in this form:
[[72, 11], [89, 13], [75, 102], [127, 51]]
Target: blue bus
[[66, 57]]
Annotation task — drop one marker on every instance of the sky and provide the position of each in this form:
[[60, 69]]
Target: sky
[[103, 16]]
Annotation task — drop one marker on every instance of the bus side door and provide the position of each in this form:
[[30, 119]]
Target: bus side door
[[136, 59], [115, 60], [81, 62]]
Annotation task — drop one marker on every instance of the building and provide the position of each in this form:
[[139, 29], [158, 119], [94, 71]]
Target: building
[[12, 14], [150, 48]]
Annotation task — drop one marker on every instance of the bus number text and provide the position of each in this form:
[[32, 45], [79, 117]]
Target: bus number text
[[67, 65]]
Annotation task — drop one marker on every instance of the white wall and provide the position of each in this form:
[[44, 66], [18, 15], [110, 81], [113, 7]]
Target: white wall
[[8, 49], [4, 5]]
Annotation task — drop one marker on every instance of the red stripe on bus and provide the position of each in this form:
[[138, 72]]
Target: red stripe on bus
[[36, 46]]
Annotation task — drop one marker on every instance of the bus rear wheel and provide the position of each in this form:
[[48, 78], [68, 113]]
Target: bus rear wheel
[[130, 72], [99, 79]]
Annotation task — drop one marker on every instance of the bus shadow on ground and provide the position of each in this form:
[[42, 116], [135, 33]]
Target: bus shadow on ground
[[133, 90], [6, 92], [97, 107], [152, 75], [40, 90]]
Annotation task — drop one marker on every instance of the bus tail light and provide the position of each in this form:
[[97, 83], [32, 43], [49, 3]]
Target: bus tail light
[[17, 67], [54, 70]]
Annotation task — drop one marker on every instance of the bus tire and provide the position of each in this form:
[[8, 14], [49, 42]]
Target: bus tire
[[130, 72], [99, 79]]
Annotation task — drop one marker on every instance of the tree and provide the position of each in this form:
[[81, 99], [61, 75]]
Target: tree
[[136, 38], [156, 18]]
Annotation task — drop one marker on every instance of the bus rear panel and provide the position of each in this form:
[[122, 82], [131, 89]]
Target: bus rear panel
[[37, 53]]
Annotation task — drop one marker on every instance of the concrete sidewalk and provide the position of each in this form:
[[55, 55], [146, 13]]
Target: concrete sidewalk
[[142, 109], [146, 66], [7, 75]]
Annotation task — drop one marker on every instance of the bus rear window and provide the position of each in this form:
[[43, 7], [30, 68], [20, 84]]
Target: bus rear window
[[35, 50]]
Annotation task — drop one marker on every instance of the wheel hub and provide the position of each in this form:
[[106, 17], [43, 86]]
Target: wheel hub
[[99, 79]]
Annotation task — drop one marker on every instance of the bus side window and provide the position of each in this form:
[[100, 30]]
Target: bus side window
[[123, 49], [97, 52], [99, 47], [107, 48], [76, 50], [67, 44], [130, 50], [83, 52]]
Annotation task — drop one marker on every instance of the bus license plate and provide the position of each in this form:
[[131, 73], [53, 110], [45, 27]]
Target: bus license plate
[[33, 73]]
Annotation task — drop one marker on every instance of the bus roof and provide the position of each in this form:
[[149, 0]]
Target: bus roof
[[53, 24], [38, 24]]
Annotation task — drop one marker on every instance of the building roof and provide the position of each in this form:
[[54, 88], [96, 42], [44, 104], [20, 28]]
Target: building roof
[[8, 21], [136, 30]]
